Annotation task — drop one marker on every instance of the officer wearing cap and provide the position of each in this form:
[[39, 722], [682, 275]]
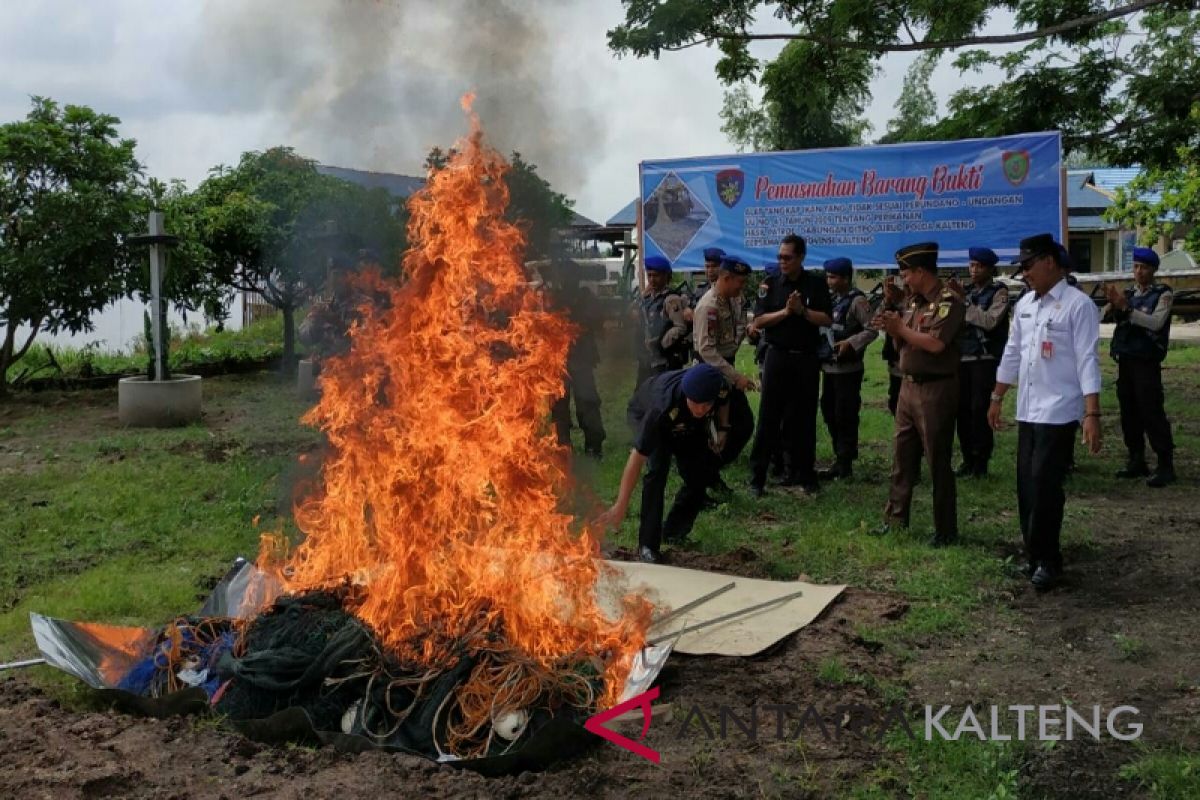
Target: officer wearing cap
[[673, 415], [1051, 355], [719, 327], [926, 337], [1139, 345], [790, 312], [712, 270], [982, 345], [664, 322], [778, 463], [842, 364]]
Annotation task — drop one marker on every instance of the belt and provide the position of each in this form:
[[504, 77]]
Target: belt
[[926, 378]]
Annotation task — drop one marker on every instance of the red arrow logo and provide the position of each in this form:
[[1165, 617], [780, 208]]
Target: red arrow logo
[[595, 724]]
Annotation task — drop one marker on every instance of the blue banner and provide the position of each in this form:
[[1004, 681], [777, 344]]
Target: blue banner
[[863, 203]]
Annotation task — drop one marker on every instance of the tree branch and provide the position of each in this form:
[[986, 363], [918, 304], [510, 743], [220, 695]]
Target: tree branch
[[937, 44], [36, 325]]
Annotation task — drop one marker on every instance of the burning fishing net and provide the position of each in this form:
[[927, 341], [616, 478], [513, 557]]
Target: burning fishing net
[[440, 597]]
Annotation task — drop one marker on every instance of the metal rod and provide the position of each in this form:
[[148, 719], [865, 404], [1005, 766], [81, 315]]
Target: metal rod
[[699, 601], [32, 662], [724, 618]]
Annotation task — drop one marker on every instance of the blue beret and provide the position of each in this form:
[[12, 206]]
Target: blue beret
[[657, 264], [1144, 255], [703, 383], [735, 265], [840, 266], [713, 254], [984, 255]]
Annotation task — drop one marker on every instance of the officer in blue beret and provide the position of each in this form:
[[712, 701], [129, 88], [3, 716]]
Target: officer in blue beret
[[842, 367], [664, 341], [1139, 346], [982, 346], [675, 416]]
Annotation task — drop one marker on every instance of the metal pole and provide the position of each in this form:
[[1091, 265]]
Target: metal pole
[[699, 601], [32, 662], [155, 228], [723, 618]]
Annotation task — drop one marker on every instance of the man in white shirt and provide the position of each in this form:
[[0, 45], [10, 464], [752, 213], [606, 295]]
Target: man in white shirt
[[1051, 353]]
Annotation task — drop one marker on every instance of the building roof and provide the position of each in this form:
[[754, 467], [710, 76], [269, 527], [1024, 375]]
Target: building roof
[[626, 217], [1109, 179], [580, 221], [398, 186], [1083, 197]]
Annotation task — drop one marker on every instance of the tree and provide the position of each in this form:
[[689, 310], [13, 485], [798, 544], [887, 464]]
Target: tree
[[533, 205], [812, 97], [273, 224], [1178, 204], [1119, 78], [70, 192], [917, 107]]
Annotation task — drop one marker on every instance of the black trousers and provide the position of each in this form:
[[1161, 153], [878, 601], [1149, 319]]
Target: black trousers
[[1140, 394], [741, 427], [697, 467], [841, 403], [976, 381], [580, 384], [1043, 453], [788, 411]]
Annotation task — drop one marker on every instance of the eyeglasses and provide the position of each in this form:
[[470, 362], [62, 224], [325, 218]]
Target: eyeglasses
[[786, 257]]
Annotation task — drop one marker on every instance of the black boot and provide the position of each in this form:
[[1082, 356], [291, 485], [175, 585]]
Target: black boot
[[843, 468], [966, 470], [1135, 467], [1164, 474]]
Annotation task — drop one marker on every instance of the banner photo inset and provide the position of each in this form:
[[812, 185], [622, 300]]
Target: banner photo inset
[[863, 203]]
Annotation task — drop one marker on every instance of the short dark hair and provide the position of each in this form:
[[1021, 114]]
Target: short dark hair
[[797, 242]]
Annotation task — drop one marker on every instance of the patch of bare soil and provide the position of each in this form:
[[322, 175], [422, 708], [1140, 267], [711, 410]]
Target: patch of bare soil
[[48, 751], [1123, 629]]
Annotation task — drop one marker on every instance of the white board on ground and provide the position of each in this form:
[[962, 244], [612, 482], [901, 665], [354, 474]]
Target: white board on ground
[[672, 587]]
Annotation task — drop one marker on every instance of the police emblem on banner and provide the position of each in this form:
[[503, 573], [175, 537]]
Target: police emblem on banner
[[1016, 166], [730, 183]]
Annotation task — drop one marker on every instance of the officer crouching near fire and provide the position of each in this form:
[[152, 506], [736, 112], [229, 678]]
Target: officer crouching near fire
[[842, 369], [674, 416], [982, 346], [1139, 345]]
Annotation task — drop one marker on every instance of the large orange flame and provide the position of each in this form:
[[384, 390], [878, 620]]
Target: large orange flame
[[439, 498]]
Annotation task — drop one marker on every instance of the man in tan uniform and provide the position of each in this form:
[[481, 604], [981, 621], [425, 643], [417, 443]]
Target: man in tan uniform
[[926, 336], [719, 325]]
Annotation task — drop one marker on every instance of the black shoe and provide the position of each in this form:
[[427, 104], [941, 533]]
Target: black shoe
[[939, 540], [649, 556], [721, 487], [1028, 568], [1161, 477], [807, 483], [980, 471], [1134, 469], [756, 490], [594, 452], [1045, 578], [881, 530], [966, 470]]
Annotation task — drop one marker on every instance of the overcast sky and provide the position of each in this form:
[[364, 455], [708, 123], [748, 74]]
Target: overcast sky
[[372, 84]]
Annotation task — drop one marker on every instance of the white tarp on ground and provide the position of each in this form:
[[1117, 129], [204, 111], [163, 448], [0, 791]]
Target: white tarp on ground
[[673, 587]]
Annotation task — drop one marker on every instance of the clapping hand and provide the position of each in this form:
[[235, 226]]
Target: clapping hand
[[1116, 297], [795, 303]]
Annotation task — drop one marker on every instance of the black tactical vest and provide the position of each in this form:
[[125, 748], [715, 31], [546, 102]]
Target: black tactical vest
[[977, 341], [1134, 340], [844, 324], [657, 323]]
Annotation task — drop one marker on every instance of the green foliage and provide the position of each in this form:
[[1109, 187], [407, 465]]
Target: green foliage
[[533, 205], [70, 191], [1178, 206], [917, 107], [273, 225], [186, 350], [1165, 775], [944, 770]]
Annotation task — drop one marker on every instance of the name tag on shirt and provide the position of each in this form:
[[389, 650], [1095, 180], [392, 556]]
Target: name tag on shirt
[[1047, 348]]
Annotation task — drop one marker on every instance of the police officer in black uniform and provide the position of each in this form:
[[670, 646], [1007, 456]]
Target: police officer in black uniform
[[982, 346], [673, 415], [1139, 345], [790, 312], [666, 344]]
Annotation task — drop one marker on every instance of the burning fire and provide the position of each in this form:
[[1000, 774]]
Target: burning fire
[[439, 497]]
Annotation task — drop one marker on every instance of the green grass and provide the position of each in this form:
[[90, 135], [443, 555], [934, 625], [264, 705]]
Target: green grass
[[1166, 775], [945, 770]]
